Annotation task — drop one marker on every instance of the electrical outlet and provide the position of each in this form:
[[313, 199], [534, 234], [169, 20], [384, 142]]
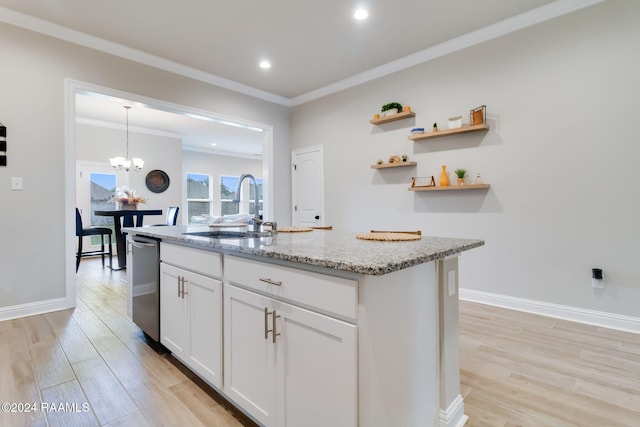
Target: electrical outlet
[[451, 282], [597, 279]]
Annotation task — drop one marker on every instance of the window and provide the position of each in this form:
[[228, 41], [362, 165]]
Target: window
[[252, 197], [199, 197], [103, 187], [228, 186], [101, 191], [201, 193]]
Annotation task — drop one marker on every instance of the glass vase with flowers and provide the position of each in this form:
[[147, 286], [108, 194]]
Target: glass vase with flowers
[[127, 198]]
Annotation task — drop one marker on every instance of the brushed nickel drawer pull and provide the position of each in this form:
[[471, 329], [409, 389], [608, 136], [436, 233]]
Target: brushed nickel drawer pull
[[271, 282]]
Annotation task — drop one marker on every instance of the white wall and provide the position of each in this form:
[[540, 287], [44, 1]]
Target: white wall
[[32, 89], [561, 157]]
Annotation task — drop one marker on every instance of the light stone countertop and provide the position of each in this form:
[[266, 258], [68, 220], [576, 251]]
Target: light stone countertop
[[323, 248]]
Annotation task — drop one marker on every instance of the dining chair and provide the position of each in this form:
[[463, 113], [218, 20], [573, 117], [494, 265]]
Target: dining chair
[[170, 219], [92, 231]]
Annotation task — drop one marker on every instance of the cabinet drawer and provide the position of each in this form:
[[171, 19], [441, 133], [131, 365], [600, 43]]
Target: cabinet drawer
[[196, 260], [325, 293]]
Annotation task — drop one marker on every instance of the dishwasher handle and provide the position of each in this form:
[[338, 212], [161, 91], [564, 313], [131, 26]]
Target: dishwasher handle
[[143, 245]]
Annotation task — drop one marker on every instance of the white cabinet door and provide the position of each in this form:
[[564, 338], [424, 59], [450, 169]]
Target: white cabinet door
[[174, 313], [205, 314], [191, 320], [317, 369], [307, 377], [249, 358]]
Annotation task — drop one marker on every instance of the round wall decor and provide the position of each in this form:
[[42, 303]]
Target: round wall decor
[[157, 181]]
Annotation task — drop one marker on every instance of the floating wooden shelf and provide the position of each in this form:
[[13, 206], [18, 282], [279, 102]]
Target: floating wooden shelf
[[393, 117], [452, 187], [447, 132], [393, 165]]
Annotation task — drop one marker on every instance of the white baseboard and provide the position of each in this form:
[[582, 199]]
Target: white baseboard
[[33, 308], [574, 314], [454, 415]]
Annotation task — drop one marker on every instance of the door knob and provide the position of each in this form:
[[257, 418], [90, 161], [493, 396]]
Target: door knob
[[317, 217]]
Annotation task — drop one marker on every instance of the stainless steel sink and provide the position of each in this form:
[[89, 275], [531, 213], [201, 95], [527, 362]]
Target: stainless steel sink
[[224, 234]]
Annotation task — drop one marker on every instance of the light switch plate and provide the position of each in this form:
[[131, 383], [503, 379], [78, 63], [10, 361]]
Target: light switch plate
[[16, 183]]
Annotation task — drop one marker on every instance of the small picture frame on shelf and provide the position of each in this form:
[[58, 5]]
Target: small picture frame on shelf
[[423, 181], [478, 115]]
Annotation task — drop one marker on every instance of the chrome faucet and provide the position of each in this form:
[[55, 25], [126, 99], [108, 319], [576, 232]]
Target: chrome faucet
[[257, 221]]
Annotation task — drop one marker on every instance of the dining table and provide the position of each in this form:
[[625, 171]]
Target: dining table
[[125, 218]]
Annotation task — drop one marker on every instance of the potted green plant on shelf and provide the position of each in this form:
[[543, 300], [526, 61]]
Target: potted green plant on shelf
[[460, 173], [391, 108]]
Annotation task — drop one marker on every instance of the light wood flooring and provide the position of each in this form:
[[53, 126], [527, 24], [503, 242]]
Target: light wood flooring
[[96, 358], [517, 369]]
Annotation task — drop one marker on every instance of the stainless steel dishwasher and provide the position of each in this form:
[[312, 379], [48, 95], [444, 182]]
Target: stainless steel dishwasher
[[145, 285]]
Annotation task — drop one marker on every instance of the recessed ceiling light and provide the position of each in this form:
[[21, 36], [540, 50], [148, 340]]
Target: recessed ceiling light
[[361, 14], [213, 144], [264, 64]]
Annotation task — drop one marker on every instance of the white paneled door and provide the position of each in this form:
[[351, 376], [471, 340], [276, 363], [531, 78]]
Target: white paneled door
[[307, 181], [95, 185]]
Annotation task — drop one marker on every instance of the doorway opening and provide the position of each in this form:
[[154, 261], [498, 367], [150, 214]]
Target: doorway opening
[[72, 88]]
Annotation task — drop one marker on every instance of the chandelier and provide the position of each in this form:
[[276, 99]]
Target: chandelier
[[124, 162]]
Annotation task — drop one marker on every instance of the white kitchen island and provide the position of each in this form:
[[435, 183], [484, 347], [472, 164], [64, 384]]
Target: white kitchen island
[[317, 328]]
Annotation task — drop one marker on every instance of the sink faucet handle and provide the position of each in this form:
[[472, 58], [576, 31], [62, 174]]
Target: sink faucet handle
[[257, 223], [271, 224]]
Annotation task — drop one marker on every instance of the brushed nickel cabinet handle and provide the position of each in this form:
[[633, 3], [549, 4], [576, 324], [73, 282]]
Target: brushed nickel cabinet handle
[[274, 332], [270, 281], [266, 323], [183, 291], [179, 280]]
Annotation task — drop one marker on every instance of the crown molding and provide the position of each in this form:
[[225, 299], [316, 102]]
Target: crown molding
[[515, 23], [57, 31]]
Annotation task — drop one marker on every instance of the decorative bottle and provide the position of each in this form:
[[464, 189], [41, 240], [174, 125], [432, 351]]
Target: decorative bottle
[[444, 177]]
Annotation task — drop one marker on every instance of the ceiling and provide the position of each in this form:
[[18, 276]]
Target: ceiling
[[197, 133], [315, 47]]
